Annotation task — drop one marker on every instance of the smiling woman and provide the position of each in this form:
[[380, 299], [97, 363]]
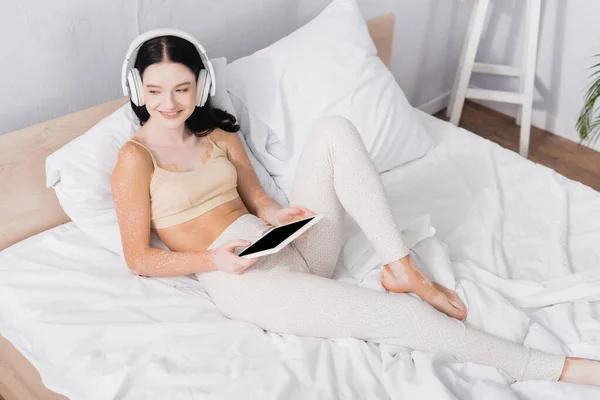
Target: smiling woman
[[175, 173], [206, 209], [29, 208], [389, 317], [166, 97], [171, 67]]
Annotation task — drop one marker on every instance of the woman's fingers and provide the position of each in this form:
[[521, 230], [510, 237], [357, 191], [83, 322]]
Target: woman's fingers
[[305, 213], [293, 213], [302, 213], [242, 264], [309, 213]]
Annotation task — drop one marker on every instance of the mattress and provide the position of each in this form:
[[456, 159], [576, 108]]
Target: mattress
[[519, 243]]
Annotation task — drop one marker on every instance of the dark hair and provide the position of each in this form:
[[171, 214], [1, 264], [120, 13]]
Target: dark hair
[[175, 49]]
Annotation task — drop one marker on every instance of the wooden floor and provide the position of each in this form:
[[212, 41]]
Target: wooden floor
[[565, 157]]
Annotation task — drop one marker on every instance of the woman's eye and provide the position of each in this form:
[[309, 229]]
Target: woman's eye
[[182, 90], [153, 91]]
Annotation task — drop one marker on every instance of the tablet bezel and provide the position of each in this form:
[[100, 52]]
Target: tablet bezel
[[315, 218]]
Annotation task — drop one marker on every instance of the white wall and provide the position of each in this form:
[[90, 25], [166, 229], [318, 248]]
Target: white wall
[[60, 56], [56, 58], [569, 37]]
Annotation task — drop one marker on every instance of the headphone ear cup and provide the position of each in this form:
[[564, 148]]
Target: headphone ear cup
[[203, 88], [206, 89], [136, 90]]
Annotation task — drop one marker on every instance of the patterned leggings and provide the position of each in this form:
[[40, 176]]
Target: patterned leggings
[[292, 291]]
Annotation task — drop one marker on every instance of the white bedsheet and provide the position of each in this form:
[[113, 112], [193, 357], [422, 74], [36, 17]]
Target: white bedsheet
[[521, 246]]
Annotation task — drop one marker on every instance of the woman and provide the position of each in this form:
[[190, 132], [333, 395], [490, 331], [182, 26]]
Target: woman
[[186, 175]]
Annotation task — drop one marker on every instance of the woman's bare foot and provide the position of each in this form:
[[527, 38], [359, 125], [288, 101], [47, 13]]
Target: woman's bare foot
[[581, 371], [403, 277], [448, 302]]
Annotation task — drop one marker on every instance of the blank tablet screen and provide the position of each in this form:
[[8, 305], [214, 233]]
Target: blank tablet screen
[[274, 237]]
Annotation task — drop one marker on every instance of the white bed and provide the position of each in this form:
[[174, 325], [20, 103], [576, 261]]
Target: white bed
[[523, 244]]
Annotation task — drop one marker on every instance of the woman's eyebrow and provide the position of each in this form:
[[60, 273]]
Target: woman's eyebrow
[[160, 87]]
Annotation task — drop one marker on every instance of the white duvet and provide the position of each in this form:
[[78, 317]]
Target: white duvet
[[521, 244]]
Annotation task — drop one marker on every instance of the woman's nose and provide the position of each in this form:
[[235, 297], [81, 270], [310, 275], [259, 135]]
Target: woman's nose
[[168, 101]]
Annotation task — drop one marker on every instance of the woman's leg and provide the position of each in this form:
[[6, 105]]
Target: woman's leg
[[278, 295], [335, 172]]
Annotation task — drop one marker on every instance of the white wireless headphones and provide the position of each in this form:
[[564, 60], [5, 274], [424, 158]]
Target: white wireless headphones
[[131, 80]]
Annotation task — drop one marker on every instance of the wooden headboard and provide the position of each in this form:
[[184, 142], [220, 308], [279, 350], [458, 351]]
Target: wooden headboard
[[26, 206]]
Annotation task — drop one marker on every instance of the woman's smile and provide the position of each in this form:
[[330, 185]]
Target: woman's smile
[[170, 115]]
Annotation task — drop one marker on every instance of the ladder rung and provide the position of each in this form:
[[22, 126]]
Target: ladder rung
[[497, 69], [495, 95]]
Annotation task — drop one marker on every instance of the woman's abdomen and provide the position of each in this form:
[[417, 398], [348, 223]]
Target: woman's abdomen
[[199, 233]]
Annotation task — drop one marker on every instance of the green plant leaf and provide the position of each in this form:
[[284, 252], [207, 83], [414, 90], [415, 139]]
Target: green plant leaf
[[588, 123]]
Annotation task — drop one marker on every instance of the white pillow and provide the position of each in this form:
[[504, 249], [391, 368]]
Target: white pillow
[[80, 171], [328, 66], [223, 101], [80, 174]]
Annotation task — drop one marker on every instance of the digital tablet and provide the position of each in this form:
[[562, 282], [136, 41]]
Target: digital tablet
[[278, 237]]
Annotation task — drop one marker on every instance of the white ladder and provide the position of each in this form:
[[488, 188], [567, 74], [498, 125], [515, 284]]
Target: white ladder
[[526, 72]]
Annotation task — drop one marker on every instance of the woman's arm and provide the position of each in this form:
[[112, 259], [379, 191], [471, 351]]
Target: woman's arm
[[130, 182], [249, 187]]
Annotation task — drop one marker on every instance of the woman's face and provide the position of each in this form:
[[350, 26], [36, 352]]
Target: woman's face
[[169, 93]]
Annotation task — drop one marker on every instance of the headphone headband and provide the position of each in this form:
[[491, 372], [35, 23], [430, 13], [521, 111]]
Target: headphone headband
[[144, 37]]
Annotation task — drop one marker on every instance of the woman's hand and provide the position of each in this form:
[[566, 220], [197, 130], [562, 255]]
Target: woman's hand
[[226, 260], [291, 214]]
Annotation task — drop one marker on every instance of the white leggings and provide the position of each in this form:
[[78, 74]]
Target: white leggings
[[292, 291]]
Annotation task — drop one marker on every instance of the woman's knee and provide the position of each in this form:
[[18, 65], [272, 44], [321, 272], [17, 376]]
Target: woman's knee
[[332, 129]]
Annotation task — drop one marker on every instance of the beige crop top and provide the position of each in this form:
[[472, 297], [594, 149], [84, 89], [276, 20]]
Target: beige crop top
[[177, 197]]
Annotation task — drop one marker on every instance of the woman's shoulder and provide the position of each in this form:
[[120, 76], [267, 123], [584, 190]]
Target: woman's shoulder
[[219, 134], [134, 154], [222, 138]]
